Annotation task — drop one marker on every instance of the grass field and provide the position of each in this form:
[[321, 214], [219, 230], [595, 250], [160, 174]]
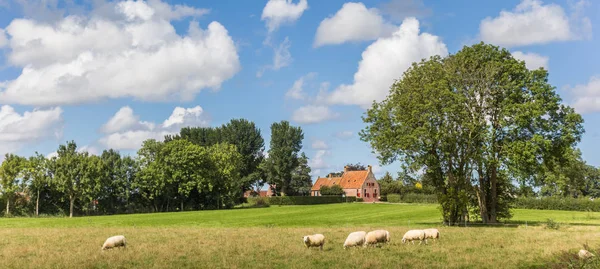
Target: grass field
[[272, 238]]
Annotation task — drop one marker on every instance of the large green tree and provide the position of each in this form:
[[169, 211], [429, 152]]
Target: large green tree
[[151, 180], [472, 121], [38, 173], [286, 143], [11, 171], [301, 181], [226, 181], [77, 174]]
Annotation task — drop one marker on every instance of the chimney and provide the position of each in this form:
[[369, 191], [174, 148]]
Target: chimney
[[345, 169], [369, 168]]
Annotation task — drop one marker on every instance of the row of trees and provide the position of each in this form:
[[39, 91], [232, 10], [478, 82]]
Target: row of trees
[[473, 123], [199, 168]]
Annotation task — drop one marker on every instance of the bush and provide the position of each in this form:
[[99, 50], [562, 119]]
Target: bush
[[558, 203], [307, 200], [360, 200], [551, 224], [258, 201], [412, 198], [333, 190]]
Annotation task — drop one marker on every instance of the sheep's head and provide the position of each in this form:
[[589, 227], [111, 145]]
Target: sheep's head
[[403, 240], [306, 240]]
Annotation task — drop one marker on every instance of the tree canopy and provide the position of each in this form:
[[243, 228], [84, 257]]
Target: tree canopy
[[473, 121]]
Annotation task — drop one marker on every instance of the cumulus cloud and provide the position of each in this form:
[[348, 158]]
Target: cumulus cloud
[[386, 60], [532, 60], [90, 149], [344, 135], [313, 114], [297, 91], [279, 12], [319, 144], [134, 52], [352, 23], [18, 130], [586, 97], [532, 22], [124, 131]]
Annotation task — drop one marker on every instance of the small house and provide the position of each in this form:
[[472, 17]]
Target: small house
[[359, 184]]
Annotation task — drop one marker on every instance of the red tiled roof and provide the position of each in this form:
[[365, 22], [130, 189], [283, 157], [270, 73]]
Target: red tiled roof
[[349, 180], [353, 179]]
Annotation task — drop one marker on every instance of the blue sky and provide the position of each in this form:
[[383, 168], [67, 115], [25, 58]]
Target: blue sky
[[109, 74]]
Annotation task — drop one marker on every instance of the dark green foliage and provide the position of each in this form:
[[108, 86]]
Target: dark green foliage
[[558, 203], [551, 224], [286, 143], [360, 200], [301, 182], [333, 190]]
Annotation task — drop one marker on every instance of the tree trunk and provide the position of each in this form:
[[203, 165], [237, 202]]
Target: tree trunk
[[482, 197], [37, 204], [7, 205], [71, 202], [494, 202], [182, 205]]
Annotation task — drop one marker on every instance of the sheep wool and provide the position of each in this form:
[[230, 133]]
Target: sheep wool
[[315, 240], [115, 241], [412, 235], [355, 239], [377, 236], [432, 233], [584, 254]]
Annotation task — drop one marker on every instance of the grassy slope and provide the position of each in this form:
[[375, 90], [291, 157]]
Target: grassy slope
[[271, 238], [333, 215]]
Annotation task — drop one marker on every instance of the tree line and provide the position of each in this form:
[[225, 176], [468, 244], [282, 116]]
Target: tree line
[[198, 168], [474, 124]]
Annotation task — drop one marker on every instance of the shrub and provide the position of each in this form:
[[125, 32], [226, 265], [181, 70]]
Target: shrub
[[393, 198], [558, 203], [307, 200], [412, 198], [360, 200], [258, 201], [551, 224], [333, 190]]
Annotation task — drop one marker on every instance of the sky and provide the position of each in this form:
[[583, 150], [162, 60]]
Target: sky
[[110, 74]]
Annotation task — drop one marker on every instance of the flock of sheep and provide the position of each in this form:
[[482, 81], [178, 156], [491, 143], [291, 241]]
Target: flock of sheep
[[364, 239], [354, 239]]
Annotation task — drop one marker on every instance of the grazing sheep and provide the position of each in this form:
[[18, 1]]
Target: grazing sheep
[[115, 241], [432, 233], [355, 239], [414, 235], [584, 254], [377, 236], [315, 240]]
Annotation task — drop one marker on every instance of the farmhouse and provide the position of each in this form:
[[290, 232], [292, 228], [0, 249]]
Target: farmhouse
[[360, 184]]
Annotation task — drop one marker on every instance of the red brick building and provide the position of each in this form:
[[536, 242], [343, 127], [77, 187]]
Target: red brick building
[[360, 184]]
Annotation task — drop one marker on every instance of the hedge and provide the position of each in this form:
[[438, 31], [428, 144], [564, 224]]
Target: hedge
[[304, 200], [558, 203], [411, 198]]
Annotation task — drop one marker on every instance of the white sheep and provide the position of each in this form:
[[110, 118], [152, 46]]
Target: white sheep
[[377, 236], [315, 240], [355, 239], [584, 254], [115, 241], [414, 235], [432, 233]]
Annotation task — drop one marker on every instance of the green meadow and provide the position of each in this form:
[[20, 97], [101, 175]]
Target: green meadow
[[272, 238]]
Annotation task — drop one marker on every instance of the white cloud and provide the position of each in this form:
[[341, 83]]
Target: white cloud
[[281, 57], [319, 160], [532, 22], [124, 119], [52, 154], [18, 130], [352, 23], [532, 60], [135, 52], [386, 60], [586, 98], [313, 114], [344, 135], [90, 149], [319, 144], [126, 132], [297, 90], [279, 12]]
